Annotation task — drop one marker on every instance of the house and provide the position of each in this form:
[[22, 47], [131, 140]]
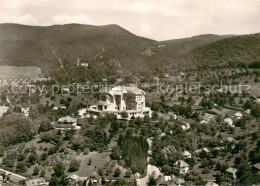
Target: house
[[248, 111], [231, 140], [124, 102], [182, 74], [229, 122], [178, 181], [231, 173], [94, 179], [204, 122], [156, 78], [238, 115], [165, 75], [256, 168], [74, 180], [165, 180], [202, 149], [162, 134], [161, 46], [182, 166], [81, 64], [26, 111], [211, 184], [137, 175], [84, 64], [67, 120], [173, 116], [55, 108], [197, 107], [2, 176], [36, 182], [185, 126], [186, 154], [119, 80]]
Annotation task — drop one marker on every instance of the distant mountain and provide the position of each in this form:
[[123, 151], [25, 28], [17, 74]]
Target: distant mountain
[[108, 49]]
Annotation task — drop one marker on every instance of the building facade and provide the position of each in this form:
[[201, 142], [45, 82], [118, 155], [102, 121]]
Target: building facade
[[119, 100]]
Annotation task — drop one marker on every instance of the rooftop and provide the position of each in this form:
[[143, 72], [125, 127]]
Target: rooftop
[[67, 119]]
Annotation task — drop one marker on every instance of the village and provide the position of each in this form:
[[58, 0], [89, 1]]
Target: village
[[131, 134]]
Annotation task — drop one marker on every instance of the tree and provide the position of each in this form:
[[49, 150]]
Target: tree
[[59, 169], [21, 129], [103, 181], [100, 172], [74, 165], [42, 174], [128, 173], [155, 116], [90, 161], [32, 158], [21, 167], [117, 172], [124, 115], [36, 170], [166, 169], [146, 119], [218, 179], [116, 153], [151, 181], [248, 104], [45, 125], [218, 166], [255, 111], [138, 121]]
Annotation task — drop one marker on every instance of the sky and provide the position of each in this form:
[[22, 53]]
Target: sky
[[155, 19]]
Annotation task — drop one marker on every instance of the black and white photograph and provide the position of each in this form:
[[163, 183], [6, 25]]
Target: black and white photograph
[[129, 92]]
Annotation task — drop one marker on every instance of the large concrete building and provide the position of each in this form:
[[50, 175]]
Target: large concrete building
[[119, 100]]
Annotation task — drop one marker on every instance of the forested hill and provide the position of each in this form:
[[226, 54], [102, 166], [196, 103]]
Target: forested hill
[[111, 50], [232, 51], [42, 46]]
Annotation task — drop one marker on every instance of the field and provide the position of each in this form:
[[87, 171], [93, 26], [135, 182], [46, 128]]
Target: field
[[14, 72]]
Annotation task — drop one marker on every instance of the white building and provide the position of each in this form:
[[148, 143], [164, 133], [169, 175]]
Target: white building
[[182, 166], [231, 172], [229, 122], [185, 126], [202, 149], [36, 182], [67, 120], [118, 100], [186, 154], [238, 115]]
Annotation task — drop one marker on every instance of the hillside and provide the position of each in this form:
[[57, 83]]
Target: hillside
[[113, 51], [42, 46], [232, 51], [185, 45]]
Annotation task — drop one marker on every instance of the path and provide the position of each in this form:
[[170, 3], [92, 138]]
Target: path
[[150, 168], [13, 174]]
